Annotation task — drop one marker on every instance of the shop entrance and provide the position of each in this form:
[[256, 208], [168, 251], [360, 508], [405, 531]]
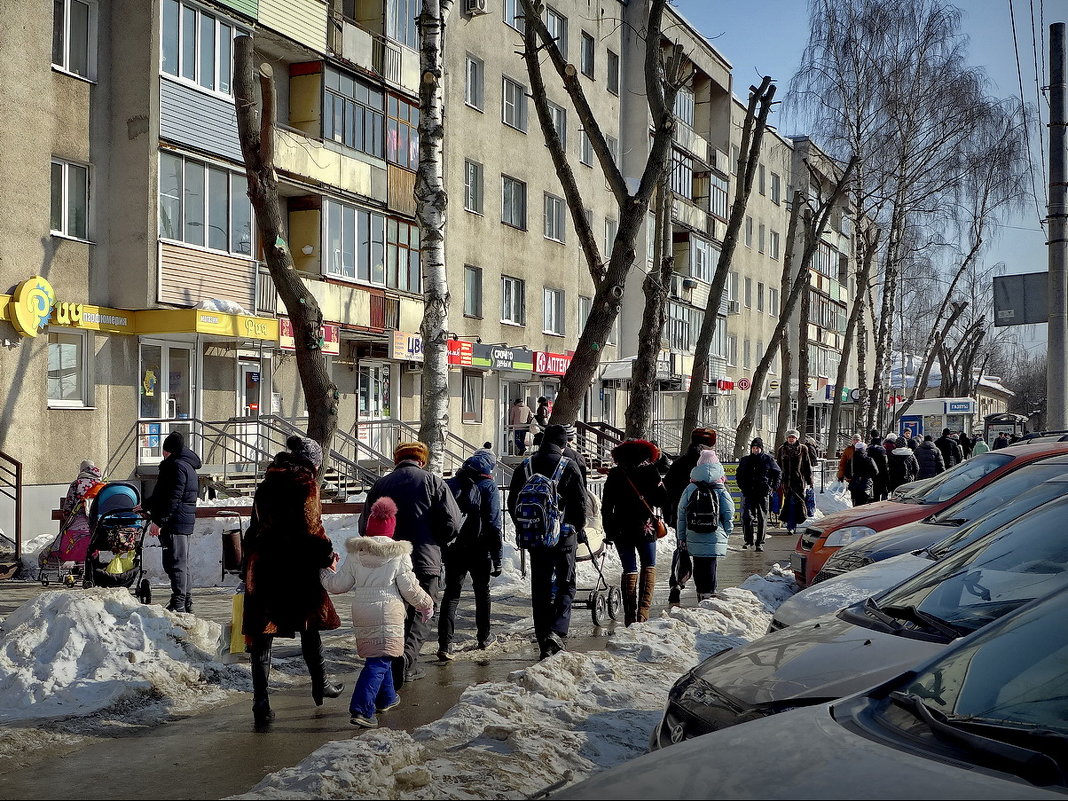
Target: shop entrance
[[249, 405], [166, 395], [373, 405]]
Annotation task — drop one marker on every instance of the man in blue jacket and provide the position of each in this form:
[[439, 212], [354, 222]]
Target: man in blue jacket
[[172, 507], [758, 475]]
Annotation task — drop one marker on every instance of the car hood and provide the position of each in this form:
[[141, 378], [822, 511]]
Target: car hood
[[802, 753], [862, 515], [849, 588], [901, 539], [822, 659]]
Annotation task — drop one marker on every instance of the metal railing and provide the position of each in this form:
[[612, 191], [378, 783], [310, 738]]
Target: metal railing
[[11, 486], [597, 440], [364, 48]]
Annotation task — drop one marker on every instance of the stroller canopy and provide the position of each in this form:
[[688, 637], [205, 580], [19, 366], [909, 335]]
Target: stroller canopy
[[115, 496]]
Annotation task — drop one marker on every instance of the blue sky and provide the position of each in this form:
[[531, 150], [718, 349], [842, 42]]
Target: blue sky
[[767, 37]]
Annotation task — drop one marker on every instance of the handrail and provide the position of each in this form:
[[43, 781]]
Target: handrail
[[15, 494]]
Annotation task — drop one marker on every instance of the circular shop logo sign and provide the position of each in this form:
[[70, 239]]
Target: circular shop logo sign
[[31, 306], [744, 383]]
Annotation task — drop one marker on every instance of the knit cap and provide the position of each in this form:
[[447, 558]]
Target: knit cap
[[307, 450], [708, 457], [859, 446], [411, 450], [382, 521], [757, 443]]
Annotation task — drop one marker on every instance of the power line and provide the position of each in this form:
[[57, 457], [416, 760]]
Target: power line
[[1027, 134], [1038, 98]]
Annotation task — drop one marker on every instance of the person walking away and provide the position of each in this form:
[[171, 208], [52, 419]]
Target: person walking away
[[847, 454], [632, 490], [929, 459], [541, 420], [74, 528], [861, 473], [675, 482], [979, 446], [380, 570], [172, 509], [428, 518], [965, 443], [951, 452], [552, 566], [795, 460], [877, 452], [758, 475], [477, 549], [1001, 441], [901, 464], [519, 419], [705, 521], [284, 549]]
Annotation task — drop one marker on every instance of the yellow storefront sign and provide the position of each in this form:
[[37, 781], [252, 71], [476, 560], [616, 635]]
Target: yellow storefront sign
[[198, 321], [31, 306]]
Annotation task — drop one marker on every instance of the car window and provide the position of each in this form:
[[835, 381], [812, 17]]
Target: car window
[[962, 476], [1000, 492], [994, 575], [1021, 505]]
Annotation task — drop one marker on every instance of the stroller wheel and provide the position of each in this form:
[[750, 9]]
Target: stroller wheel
[[87, 582], [615, 600], [600, 609], [68, 581], [44, 581], [144, 591]]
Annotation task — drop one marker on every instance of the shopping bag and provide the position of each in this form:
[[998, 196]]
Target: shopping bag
[[810, 502], [776, 502], [237, 615]]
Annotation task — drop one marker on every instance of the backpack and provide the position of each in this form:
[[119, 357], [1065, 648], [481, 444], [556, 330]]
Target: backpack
[[537, 508], [469, 499], [702, 510]]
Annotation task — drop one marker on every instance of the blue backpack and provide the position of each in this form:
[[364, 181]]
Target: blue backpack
[[537, 509]]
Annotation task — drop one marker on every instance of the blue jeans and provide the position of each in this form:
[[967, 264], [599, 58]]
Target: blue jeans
[[374, 688], [633, 553]]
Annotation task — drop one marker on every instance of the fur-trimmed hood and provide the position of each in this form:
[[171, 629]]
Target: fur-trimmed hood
[[906, 451], [383, 547]]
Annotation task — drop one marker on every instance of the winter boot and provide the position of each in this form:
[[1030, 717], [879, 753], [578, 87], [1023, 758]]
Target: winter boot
[[645, 593], [261, 671], [704, 596], [311, 646], [629, 591]]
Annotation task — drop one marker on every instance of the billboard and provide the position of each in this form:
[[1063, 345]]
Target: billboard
[[1021, 299]]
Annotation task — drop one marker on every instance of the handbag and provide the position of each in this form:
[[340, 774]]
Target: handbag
[[655, 528], [810, 502], [237, 619]]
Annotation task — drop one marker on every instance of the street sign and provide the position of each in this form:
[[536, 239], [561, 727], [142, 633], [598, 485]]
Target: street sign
[[744, 383], [1021, 299], [773, 384]]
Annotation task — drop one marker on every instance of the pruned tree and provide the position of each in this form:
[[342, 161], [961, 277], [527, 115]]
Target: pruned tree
[[803, 366], [255, 125]]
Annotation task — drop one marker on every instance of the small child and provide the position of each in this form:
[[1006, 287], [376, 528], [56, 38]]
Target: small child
[[380, 570]]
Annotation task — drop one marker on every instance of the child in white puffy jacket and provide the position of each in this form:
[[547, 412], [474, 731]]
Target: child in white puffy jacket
[[379, 571]]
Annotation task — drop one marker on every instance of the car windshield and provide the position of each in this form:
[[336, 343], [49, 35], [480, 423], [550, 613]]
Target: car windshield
[[1021, 505], [999, 493], [987, 579], [947, 485]]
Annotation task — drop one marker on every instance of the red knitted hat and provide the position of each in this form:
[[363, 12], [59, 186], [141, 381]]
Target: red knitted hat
[[382, 521]]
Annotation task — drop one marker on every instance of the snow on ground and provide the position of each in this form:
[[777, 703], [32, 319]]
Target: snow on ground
[[563, 718]]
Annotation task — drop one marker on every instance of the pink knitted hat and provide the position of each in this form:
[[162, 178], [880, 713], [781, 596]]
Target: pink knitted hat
[[382, 521]]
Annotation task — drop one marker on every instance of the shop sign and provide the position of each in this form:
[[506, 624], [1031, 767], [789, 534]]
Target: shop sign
[[31, 306], [503, 358], [959, 407], [460, 353], [744, 384], [855, 395], [406, 347], [725, 385], [331, 337], [551, 363], [828, 393], [773, 385]]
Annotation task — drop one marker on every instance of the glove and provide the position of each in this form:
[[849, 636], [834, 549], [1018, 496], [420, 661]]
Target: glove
[[153, 530], [682, 546], [496, 570], [426, 614], [582, 538]]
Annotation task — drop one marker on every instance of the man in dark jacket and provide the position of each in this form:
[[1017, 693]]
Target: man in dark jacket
[[950, 449], [477, 549], [552, 570], [929, 459], [758, 476], [172, 507], [880, 487], [902, 467], [675, 482], [1001, 441], [428, 518]]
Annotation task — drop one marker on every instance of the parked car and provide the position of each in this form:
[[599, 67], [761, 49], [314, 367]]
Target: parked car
[[839, 654], [1011, 490], [987, 718], [820, 540]]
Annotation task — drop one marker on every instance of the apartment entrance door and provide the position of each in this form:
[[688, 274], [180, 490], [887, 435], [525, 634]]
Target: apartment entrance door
[[166, 395]]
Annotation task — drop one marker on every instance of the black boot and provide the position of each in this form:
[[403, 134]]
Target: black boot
[[311, 646], [260, 654]]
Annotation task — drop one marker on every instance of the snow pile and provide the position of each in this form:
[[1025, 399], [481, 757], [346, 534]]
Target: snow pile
[[31, 553], [76, 652], [221, 306], [565, 717]]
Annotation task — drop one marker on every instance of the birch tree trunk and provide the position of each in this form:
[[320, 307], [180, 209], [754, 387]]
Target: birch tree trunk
[[803, 366], [431, 202], [255, 127]]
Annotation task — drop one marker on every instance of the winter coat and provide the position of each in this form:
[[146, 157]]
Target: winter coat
[[880, 485], [950, 449], [623, 514], [979, 447], [862, 472], [678, 476], [519, 416], [427, 514], [284, 549], [173, 503], [966, 444], [571, 489], [847, 454], [576, 457], [758, 475], [902, 467], [796, 463], [714, 543], [479, 502], [1001, 442], [75, 514], [929, 459], [379, 572]]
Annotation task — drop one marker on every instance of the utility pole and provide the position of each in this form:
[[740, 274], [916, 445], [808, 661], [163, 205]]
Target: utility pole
[[1057, 333]]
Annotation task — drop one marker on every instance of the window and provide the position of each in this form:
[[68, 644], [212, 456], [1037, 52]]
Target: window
[[587, 55], [472, 291], [402, 133], [717, 200], [748, 292], [513, 14], [846, 228], [513, 202], [584, 309], [67, 369], [585, 148], [719, 342], [204, 204], [776, 188], [760, 296], [736, 155], [732, 286], [554, 218], [613, 73], [682, 174], [556, 24], [514, 105], [684, 106], [761, 233], [732, 350], [474, 87], [773, 244], [554, 311], [703, 258], [773, 301], [473, 187], [826, 260], [197, 46], [759, 353], [353, 113], [355, 243], [73, 36], [681, 326], [559, 116], [513, 301], [70, 200], [610, 227], [749, 232], [400, 19], [747, 354], [472, 397], [761, 180], [402, 256], [613, 148]]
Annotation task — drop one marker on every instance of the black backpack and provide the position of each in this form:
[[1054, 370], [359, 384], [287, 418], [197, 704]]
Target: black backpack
[[702, 510], [469, 499]]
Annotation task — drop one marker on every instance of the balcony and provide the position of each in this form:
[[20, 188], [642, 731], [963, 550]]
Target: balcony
[[688, 214], [313, 160], [692, 142], [303, 21], [373, 53]]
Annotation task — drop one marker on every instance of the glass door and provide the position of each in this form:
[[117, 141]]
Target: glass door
[[166, 395], [249, 407], [373, 399]]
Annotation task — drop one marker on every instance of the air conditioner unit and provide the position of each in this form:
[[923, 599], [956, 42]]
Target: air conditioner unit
[[734, 307], [476, 7]]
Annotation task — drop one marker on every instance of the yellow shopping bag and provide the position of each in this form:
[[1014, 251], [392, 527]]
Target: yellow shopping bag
[[237, 615]]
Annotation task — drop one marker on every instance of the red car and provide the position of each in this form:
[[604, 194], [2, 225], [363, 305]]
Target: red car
[[821, 539]]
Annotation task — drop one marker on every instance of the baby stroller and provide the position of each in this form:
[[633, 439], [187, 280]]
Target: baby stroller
[[116, 540], [64, 560], [602, 599]]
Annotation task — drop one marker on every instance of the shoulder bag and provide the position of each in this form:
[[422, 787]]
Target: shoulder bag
[[655, 527]]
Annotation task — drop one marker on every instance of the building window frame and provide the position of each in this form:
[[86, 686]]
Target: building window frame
[[773, 244], [612, 66], [64, 206], [556, 25], [585, 148], [588, 56], [237, 216], [366, 229], [175, 43], [475, 83], [554, 310], [748, 292], [514, 104], [513, 15], [513, 202], [559, 118], [555, 226], [776, 188], [472, 396], [513, 301], [63, 52], [363, 113], [472, 291], [402, 132], [473, 187], [82, 340]]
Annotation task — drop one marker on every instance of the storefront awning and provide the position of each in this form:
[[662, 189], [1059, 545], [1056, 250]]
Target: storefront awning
[[621, 370]]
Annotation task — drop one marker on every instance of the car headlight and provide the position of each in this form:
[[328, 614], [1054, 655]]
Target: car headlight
[[844, 536]]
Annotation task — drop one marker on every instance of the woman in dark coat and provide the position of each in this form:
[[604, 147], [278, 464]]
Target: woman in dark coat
[[929, 458], [632, 489], [284, 549], [795, 459], [861, 473]]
